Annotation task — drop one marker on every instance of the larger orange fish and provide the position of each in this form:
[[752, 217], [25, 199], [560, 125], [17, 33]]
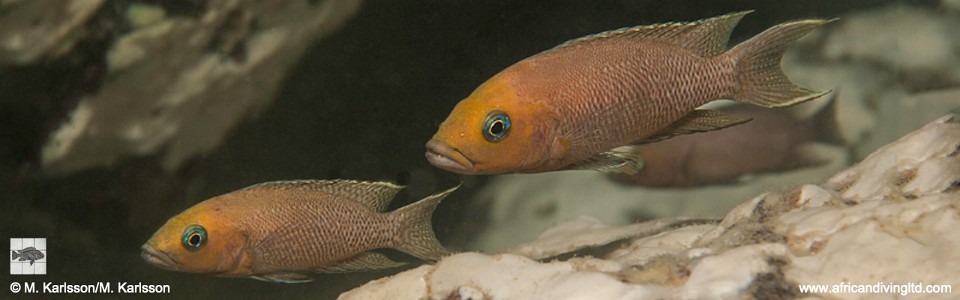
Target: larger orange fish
[[570, 106], [279, 231]]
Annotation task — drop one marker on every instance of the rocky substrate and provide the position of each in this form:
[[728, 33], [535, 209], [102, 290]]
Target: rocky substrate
[[889, 220]]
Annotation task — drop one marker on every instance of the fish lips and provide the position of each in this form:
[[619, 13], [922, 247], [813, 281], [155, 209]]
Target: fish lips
[[158, 258], [443, 156]]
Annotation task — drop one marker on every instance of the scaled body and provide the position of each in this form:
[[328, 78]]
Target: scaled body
[[278, 230], [568, 107]]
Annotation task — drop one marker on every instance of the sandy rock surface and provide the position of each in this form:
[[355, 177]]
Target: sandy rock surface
[[889, 220]]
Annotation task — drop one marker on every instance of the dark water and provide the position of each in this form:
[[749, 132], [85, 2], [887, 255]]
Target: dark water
[[360, 104]]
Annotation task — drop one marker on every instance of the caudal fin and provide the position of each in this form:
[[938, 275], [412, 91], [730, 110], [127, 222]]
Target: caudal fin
[[760, 80], [14, 255], [416, 233]]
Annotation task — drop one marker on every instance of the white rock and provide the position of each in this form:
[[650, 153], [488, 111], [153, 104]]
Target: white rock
[[886, 222], [169, 94], [585, 232], [410, 284], [914, 39], [951, 4], [923, 107], [527, 204]]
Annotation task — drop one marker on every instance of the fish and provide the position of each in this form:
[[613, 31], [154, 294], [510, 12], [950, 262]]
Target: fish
[[281, 231], [772, 142], [569, 107], [28, 253]]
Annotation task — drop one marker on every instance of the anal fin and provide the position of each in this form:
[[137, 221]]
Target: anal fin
[[700, 120], [618, 160], [287, 277], [363, 262]]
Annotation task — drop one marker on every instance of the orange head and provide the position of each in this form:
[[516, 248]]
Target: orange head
[[196, 241], [494, 130]]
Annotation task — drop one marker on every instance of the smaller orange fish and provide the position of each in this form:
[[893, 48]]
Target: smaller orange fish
[[278, 231]]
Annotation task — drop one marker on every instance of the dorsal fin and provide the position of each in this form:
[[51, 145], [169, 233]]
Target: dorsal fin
[[707, 37], [374, 195]]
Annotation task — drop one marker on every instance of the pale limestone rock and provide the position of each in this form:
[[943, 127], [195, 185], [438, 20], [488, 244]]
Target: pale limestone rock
[[410, 284], [912, 39], [892, 218], [953, 5], [878, 75], [586, 232], [527, 204], [922, 107], [42, 29], [177, 85]]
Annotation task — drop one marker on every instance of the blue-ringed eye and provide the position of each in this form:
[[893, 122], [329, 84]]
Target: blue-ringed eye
[[194, 237], [496, 126]]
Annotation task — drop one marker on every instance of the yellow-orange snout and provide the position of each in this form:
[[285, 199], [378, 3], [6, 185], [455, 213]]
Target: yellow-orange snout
[[443, 156], [157, 258]]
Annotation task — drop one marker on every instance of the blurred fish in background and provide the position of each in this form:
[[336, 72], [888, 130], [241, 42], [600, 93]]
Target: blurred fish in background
[[772, 141]]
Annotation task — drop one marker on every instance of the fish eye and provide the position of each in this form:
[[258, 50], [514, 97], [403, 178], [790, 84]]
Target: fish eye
[[194, 237], [496, 126]]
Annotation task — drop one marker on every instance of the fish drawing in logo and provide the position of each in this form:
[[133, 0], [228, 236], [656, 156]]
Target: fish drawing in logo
[[28, 253], [570, 107], [281, 231]]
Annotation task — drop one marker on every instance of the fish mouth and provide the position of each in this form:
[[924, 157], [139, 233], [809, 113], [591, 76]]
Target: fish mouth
[[443, 156], [158, 258]]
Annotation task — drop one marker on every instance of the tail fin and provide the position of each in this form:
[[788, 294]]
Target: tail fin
[[759, 77], [14, 254], [416, 233]]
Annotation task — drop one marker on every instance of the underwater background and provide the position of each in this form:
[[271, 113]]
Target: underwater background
[[357, 102]]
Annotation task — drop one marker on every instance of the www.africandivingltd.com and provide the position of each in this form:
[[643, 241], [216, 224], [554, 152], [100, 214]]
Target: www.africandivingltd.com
[[876, 288], [122, 287]]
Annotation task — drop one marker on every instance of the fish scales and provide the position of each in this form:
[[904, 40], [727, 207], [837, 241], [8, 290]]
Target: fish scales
[[598, 102], [320, 224], [572, 106]]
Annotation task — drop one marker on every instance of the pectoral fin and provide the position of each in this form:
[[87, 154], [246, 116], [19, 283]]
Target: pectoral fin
[[289, 277], [700, 120], [364, 262], [618, 160]]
